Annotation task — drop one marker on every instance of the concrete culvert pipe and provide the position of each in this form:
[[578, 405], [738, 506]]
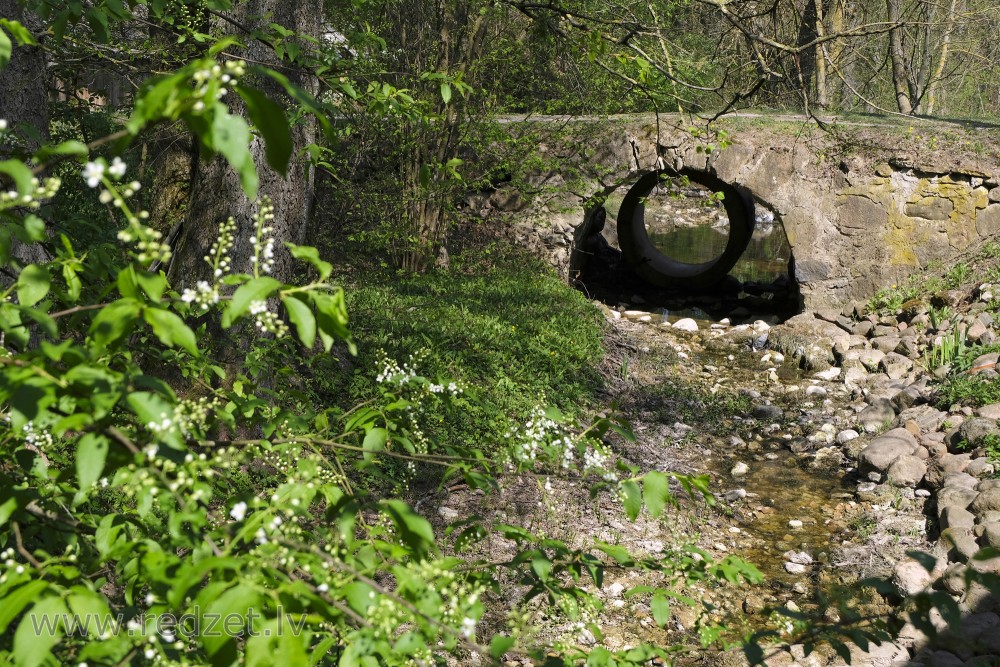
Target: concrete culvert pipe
[[654, 266]]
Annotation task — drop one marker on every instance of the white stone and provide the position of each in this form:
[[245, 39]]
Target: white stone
[[829, 374], [616, 589], [760, 326], [795, 568], [739, 469], [847, 435], [815, 390], [686, 324], [795, 523]]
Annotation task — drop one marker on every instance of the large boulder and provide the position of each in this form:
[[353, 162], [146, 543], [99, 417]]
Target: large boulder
[[906, 471], [883, 451]]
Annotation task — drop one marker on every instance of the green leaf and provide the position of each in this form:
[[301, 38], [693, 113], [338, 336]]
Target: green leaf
[[500, 644], [34, 228], [272, 124], [374, 442], [114, 321], [6, 48], [153, 284], [257, 289], [359, 596], [38, 632], [445, 92], [660, 606], [632, 499], [232, 604], [98, 21], [16, 600], [19, 32], [541, 566], [16, 169], [91, 454], [310, 254], [655, 492], [149, 407], [170, 329], [230, 135], [71, 147], [414, 530], [302, 317]]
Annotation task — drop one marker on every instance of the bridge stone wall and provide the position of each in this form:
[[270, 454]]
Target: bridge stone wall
[[863, 207]]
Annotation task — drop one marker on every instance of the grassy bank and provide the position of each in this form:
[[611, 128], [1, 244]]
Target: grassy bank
[[506, 328]]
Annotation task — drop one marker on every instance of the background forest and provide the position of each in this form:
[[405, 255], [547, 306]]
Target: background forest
[[195, 429]]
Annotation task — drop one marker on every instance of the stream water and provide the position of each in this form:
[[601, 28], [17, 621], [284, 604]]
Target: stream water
[[765, 259]]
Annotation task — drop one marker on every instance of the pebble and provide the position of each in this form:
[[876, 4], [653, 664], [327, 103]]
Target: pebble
[[847, 435], [686, 324], [829, 374], [734, 495], [795, 523], [795, 568], [739, 469]]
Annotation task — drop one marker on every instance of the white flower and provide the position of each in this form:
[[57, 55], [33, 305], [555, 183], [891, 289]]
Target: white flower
[[92, 173], [323, 588], [117, 168], [3, 124], [239, 511], [468, 627]]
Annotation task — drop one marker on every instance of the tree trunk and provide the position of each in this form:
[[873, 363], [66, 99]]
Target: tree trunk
[[808, 58], [24, 102], [23, 83], [900, 79], [820, 57], [216, 193], [934, 84]]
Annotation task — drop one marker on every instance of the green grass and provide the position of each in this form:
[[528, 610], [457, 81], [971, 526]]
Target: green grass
[[962, 388], [507, 329]]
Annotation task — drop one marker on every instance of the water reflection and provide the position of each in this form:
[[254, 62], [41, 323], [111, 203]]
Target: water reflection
[[765, 259]]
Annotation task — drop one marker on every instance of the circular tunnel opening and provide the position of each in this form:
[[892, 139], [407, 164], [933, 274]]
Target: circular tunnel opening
[[686, 221], [685, 242], [661, 196]]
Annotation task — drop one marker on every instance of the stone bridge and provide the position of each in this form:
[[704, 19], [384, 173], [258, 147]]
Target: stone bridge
[[863, 204]]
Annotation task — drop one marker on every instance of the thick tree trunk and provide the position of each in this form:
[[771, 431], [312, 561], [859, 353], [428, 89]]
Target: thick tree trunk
[[23, 83], [900, 78], [24, 103], [216, 192]]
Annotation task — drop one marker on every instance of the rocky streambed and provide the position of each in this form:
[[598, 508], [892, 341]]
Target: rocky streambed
[[841, 463], [830, 462]]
